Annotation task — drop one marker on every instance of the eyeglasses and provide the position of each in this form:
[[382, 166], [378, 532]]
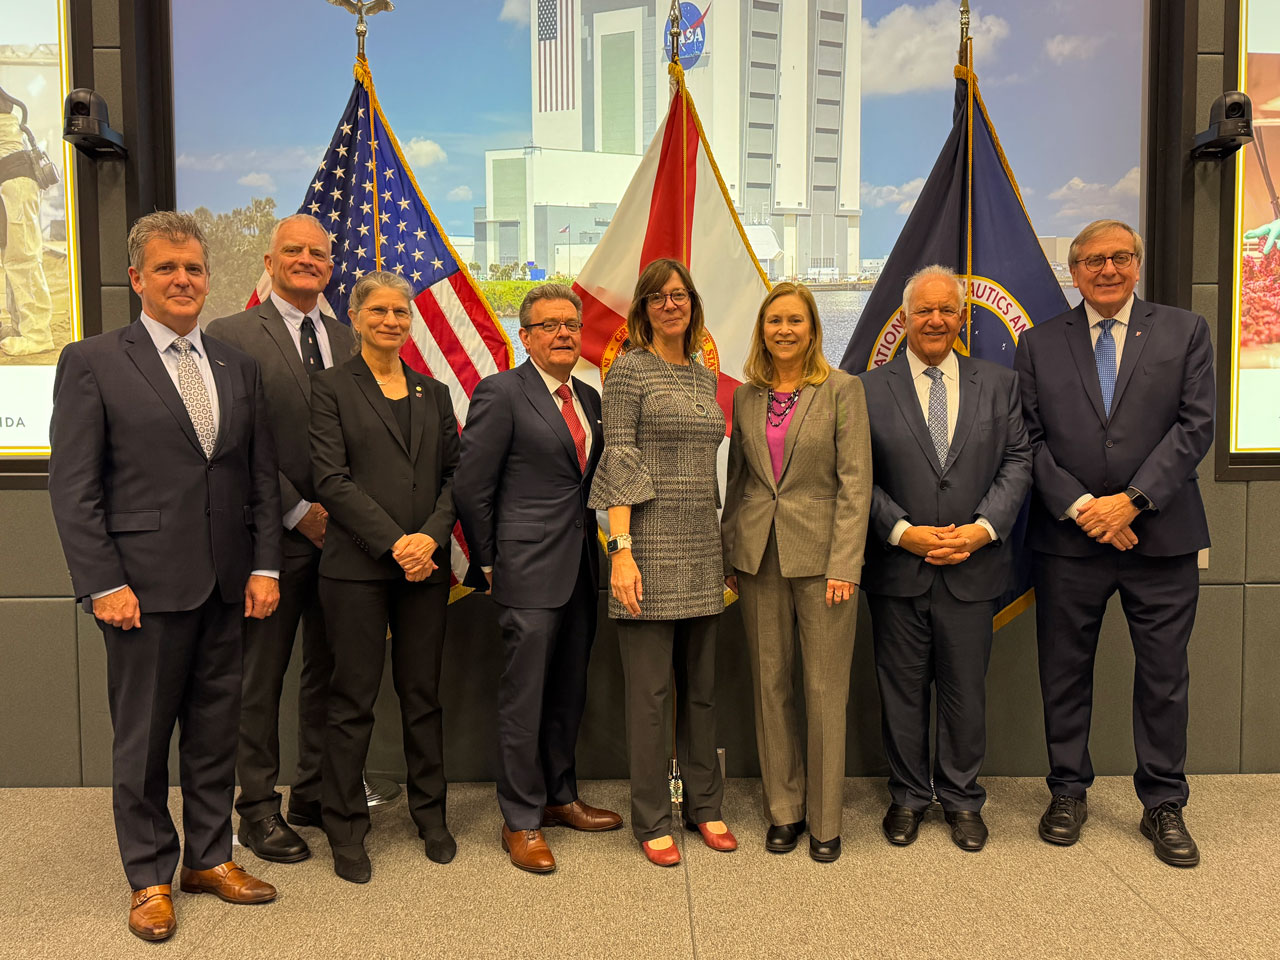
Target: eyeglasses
[[678, 297], [948, 312], [1098, 261], [553, 326], [381, 313]]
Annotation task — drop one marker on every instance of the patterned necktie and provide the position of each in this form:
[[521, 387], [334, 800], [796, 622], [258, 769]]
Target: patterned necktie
[[938, 414], [1104, 358], [573, 423], [195, 395], [312, 360]]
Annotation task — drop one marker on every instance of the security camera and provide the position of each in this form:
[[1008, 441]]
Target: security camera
[[86, 127], [1230, 127]]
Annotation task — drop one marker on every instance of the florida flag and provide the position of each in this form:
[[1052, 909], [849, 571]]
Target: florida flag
[[676, 206]]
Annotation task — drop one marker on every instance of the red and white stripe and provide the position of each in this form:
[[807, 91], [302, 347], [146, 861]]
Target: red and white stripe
[[557, 63]]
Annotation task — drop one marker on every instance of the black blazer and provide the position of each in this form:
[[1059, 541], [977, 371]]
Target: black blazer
[[1160, 428], [376, 486], [987, 474], [521, 497], [262, 333], [134, 497]]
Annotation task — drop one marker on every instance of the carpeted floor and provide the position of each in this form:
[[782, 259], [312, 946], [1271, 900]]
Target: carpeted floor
[[62, 893]]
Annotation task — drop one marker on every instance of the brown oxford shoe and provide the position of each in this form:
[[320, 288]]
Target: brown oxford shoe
[[528, 850], [151, 913], [580, 816], [229, 882]]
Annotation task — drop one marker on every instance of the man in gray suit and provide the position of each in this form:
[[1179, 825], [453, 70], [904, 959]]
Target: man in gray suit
[[291, 339], [952, 466]]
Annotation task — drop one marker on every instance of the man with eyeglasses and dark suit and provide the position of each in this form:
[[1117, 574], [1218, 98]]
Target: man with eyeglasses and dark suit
[[529, 451], [1118, 398]]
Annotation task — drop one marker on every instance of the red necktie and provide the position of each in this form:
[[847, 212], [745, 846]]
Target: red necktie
[[573, 423]]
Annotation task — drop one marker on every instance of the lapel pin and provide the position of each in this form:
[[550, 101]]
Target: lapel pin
[[219, 363], [418, 388], [1137, 333]]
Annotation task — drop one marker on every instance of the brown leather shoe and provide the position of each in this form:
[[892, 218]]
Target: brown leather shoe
[[528, 850], [229, 882], [151, 913], [580, 816]]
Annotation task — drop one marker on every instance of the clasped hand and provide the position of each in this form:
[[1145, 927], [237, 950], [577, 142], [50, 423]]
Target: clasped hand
[[413, 552], [944, 546], [1107, 519]]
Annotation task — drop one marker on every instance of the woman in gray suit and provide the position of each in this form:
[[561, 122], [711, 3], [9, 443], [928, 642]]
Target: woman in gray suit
[[794, 523]]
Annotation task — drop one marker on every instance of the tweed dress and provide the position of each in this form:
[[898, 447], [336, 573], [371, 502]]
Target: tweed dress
[[660, 459]]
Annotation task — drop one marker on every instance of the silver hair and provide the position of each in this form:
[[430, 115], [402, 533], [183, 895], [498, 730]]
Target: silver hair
[[296, 218], [1102, 226], [933, 270], [375, 280], [547, 291], [170, 225]]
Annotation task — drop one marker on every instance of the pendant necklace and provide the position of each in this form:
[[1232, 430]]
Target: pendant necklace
[[699, 408], [780, 409]]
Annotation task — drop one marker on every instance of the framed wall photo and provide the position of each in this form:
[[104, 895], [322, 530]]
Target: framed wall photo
[[1254, 388], [39, 264]]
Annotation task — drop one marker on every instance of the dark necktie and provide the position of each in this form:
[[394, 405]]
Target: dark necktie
[[1104, 358], [573, 423], [311, 358], [938, 414]]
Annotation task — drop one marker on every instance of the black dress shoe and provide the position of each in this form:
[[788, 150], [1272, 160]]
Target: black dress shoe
[[272, 839], [824, 851], [967, 829], [304, 813], [352, 863], [783, 837], [1063, 819], [1169, 836], [439, 844], [901, 824]]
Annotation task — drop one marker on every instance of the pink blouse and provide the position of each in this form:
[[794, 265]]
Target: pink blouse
[[777, 436]]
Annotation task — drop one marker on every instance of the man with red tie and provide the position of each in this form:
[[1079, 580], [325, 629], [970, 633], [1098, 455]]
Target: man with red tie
[[529, 449]]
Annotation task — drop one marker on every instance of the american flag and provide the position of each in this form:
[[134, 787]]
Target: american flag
[[366, 196], [557, 64]]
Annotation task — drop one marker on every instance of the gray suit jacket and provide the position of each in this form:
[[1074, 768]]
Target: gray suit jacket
[[262, 333], [987, 474], [819, 508]]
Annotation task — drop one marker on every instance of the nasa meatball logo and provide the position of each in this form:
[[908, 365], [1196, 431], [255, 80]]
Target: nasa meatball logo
[[983, 292], [619, 344], [693, 35]]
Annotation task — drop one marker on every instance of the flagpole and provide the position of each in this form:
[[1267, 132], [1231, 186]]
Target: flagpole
[[966, 61]]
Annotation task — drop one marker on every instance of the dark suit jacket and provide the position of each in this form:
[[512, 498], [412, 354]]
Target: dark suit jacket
[[521, 498], [263, 334], [135, 499], [1160, 428], [376, 486], [987, 474]]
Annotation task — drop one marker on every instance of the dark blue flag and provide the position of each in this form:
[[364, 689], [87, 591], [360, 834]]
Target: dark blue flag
[[970, 217]]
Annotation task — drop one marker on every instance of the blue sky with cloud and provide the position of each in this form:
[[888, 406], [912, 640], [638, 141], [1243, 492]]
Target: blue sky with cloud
[[1061, 78]]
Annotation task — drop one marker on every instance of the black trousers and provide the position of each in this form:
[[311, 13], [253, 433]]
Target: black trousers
[[541, 696], [650, 649], [1159, 596], [357, 614], [933, 639], [267, 649], [184, 668]]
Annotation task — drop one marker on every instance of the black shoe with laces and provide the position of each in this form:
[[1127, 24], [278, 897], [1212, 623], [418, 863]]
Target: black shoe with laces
[[270, 838], [782, 837], [1164, 827], [1063, 819]]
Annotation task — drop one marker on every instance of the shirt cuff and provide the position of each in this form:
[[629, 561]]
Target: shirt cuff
[[985, 524], [273, 574], [486, 569], [1073, 511], [103, 593], [898, 530], [297, 513]]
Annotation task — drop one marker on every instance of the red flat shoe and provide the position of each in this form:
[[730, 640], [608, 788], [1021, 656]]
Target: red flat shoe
[[724, 842], [666, 857]]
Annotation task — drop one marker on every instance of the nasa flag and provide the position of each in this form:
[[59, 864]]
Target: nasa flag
[[970, 217]]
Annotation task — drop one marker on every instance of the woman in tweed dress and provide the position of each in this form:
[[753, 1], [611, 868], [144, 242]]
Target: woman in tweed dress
[[657, 478]]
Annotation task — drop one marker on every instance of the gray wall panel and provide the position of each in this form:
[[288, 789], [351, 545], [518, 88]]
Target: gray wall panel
[[106, 23], [1262, 553], [36, 567], [1215, 655], [1260, 746], [39, 728], [116, 308], [1015, 714]]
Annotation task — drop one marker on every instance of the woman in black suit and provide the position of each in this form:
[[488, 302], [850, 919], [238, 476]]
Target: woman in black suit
[[384, 445]]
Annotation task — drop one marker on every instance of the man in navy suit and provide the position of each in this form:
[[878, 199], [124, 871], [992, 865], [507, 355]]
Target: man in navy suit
[[164, 489], [1118, 398], [951, 467], [529, 450]]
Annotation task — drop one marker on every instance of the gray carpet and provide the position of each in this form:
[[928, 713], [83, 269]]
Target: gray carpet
[[62, 893]]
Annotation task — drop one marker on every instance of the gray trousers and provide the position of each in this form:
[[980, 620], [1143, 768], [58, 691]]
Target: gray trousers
[[650, 651], [775, 609]]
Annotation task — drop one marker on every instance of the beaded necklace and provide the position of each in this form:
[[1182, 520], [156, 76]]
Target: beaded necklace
[[779, 409]]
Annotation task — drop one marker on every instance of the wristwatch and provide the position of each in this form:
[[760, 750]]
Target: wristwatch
[[621, 542], [1139, 499]]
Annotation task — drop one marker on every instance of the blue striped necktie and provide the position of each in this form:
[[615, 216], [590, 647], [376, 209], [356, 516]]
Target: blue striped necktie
[[1104, 358]]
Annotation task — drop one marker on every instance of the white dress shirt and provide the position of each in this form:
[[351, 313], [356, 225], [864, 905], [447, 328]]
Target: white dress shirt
[[950, 368], [293, 318]]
